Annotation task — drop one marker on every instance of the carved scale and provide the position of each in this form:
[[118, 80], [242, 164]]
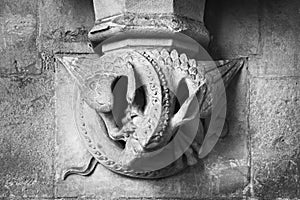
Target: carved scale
[[155, 115]]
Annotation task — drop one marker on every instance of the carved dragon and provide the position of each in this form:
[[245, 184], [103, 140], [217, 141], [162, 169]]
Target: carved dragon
[[146, 130]]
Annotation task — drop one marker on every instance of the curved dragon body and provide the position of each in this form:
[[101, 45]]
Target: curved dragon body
[[145, 130]]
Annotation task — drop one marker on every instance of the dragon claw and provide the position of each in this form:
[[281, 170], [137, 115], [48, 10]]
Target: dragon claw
[[191, 159]]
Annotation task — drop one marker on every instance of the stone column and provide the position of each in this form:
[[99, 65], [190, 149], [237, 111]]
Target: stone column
[[150, 19]]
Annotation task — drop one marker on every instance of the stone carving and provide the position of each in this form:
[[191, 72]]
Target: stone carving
[[159, 126], [129, 22], [154, 113]]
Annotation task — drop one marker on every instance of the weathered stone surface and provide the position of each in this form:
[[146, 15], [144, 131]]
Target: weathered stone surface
[[230, 155], [274, 122], [187, 8], [26, 116], [206, 179], [26, 137], [16, 7], [63, 26], [236, 95], [134, 17], [18, 33], [64, 21], [280, 40], [190, 8], [234, 145], [152, 6], [228, 161], [234, 26], [115, 7], [66, 47]]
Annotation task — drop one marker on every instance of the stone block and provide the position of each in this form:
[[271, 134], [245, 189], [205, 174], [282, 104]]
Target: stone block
[[56, 47], [26, 116], [15, 7], [274, 123], [26, 138], [186, 8], [236, 96], [158, 17], [280, 40], [233, 181], [190, 8], [65, 21], [18, 34], [234, 145], [234, 27], [101, 8], [206, 179], [227, 163], [149, 7]]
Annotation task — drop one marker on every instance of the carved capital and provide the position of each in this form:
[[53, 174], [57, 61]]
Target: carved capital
[[168, 82], [161, 132]]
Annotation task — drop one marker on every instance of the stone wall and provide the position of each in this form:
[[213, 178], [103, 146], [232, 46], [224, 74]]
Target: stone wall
[[260, 156]]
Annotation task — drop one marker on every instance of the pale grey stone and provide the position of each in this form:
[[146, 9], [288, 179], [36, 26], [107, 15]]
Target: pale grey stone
[[274, 123]]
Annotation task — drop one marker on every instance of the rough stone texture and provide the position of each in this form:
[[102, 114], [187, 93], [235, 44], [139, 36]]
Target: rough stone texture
[[274, 102], [223, 172], [237, 102], [275, 126], [152, 6], [227, 163], [26, 116], [26, 138], [234, 27], [263, 106], [279, 39], [18, 23], [187, 8], [63, 24], [115, 7]]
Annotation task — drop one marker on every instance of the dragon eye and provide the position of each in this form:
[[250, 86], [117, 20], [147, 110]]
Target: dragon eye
[[93, 85]]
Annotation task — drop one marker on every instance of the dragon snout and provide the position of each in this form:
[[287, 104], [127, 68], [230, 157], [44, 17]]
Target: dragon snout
[[103, 107]]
